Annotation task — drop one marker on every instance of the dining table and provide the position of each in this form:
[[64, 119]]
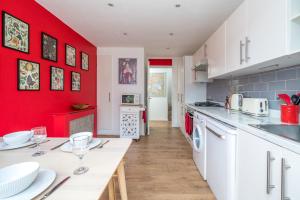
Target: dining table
[[106, 168]]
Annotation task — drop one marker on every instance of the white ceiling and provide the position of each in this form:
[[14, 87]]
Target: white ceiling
[[146, 22]]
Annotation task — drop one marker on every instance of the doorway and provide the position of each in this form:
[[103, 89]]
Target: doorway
[[160, 95]]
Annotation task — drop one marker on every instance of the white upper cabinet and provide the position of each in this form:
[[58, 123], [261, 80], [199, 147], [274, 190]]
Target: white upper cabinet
[[216, 52], [235, 37], [266, 25]]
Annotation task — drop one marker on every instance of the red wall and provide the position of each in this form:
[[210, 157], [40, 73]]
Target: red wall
[[20, 110]]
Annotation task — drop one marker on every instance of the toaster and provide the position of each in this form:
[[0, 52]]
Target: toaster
[[255, 106], [236, 101]]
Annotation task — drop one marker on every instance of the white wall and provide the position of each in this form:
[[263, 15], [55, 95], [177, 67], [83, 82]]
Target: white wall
[[118, 89], [158, 108]]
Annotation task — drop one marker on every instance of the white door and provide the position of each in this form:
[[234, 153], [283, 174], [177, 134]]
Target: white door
[[180, 95], [267, 21], [291, 175], [159, 89], [104, 100], [254, 154], [216, 52], [235, 36]]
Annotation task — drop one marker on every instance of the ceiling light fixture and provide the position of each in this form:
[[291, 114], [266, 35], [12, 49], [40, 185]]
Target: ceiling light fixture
[[168, 48], [177, 5], [125, 34], [110, 4], [171, 34]]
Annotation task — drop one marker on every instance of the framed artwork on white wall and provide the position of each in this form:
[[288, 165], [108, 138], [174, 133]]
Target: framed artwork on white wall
[[127, 71]]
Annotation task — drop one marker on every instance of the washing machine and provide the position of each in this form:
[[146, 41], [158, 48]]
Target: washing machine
[[199, 143]]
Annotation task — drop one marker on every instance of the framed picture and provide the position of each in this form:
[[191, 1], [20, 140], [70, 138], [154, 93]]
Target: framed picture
[[157, 84], [49, 47], [127, 70], [15, 33], [84, 61], [28, 75], [70, 55], [75, 85], [57, 79]]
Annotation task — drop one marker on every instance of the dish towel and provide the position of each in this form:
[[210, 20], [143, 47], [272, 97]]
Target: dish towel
[[144, 116]]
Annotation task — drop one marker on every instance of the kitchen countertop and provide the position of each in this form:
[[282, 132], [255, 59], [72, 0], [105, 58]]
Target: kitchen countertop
[[242, 121]]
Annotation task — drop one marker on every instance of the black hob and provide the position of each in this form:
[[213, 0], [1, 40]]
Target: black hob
[[207, 104]]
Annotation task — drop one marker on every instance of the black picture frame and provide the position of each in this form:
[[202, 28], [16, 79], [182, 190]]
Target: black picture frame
[[42, 47], [72, 89], [88, 61], [51, 77], [3, 32], [66, 60], [18, 75]]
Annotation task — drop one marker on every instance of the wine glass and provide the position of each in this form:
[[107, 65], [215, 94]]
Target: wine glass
[[80, 147], [39, 135]]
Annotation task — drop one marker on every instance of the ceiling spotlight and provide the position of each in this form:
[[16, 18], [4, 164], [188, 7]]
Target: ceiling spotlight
[[177, 5], [125, 34], [171, 34], [110, 4]]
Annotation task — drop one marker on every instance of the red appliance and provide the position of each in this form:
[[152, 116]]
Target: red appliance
[[290, 114]]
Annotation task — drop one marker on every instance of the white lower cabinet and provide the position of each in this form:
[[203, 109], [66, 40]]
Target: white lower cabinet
[[266, 171], [290, 175]]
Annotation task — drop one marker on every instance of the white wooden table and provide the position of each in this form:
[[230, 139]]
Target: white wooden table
[[102, 164]]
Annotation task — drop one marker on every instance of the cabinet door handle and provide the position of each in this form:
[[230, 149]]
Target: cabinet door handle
[[241, 52], [284, 167], [247, 58], [269, 159], [216, 134], [109, 97]]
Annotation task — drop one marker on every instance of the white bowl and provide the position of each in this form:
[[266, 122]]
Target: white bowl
[[89, 134], [16, 178], [17, 138]]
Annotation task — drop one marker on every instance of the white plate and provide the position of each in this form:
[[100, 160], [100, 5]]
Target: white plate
[[44, 179], [68, 147], [4, 146]]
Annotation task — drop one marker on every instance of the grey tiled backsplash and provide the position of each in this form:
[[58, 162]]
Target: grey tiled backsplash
[[261, 85]]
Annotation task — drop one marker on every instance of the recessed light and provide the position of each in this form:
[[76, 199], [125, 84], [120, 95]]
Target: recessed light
[[110, 4], [125, 34], [171, 34], [177, 5]]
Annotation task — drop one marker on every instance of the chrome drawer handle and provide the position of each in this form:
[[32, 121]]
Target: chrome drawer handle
[[216, 134], [269, 159], [284, 167]]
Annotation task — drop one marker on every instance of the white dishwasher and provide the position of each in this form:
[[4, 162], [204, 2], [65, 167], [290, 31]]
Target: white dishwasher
[[221, 159]]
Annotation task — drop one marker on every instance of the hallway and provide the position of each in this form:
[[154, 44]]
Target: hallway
[[160, 167]]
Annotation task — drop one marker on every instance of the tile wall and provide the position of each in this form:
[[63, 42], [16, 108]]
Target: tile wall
[[261, 85]]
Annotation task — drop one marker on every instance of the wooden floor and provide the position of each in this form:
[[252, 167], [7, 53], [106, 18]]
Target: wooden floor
[[160, 167]]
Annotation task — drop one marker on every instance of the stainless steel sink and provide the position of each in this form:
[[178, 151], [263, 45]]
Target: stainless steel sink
[[287, 131]]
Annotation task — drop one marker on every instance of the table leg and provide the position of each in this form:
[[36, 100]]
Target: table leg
[[111, 189], [122, 181]]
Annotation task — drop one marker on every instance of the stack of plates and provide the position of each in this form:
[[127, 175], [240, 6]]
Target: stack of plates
[[16, 140], [24, 181]]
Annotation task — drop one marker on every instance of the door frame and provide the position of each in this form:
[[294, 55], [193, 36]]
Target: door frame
[[174, 91]]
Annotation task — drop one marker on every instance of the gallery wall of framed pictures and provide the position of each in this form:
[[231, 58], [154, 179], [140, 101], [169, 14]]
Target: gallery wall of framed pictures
[[16, 36]]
